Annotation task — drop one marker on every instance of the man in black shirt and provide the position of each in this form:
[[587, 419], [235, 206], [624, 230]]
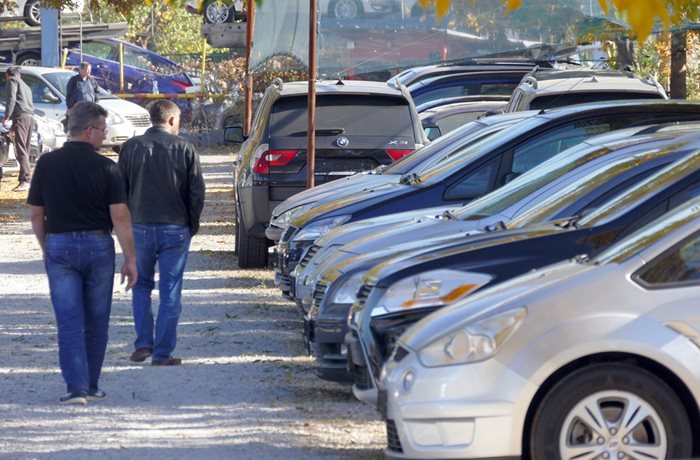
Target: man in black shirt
[[76, 198], [166, 196]]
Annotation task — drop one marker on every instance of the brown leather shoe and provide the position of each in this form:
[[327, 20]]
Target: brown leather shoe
[[166, 362], [140, 354]]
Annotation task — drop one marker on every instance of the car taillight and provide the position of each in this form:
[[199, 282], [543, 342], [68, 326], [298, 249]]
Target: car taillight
[[181, 84], [397, 154], [273, 158]]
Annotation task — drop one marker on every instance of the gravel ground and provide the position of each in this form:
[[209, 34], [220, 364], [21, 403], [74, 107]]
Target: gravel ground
[[246, 388]]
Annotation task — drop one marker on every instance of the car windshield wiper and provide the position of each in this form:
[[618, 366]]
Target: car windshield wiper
[[447, 215], [571, 222], [321, 132], [582, 259], [378, 170], [413, 178]]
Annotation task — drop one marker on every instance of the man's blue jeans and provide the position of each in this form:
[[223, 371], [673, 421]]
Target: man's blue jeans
[[80, 268], [168, 245]]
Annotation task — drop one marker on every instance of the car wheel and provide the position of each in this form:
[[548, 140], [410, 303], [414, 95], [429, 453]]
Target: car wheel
[[216, 12], [346, 9], [30, 58], [251, 250], [611, 411], [32, 13]]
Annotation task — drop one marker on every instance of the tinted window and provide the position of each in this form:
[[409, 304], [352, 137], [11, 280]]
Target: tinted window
[[475, 184], [456, 120], [681, 264], [356, 115], [562, 100], [544, 147]]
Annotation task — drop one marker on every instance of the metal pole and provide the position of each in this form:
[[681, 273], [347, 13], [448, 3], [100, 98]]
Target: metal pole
[[311, 148], [248, 90]]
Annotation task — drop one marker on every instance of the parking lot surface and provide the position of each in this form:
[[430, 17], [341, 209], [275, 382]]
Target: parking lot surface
[[246, 388]]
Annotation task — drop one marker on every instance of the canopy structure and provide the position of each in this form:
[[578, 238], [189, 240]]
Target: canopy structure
[[376, 38]]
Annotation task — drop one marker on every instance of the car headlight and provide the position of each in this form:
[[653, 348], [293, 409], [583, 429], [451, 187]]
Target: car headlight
[[286, 217], [430, 289], [113, 118], [347, 292], [313, 231], [475, 342]]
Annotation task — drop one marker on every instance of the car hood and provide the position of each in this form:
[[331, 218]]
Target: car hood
[[366, 197], [122, 107], [331, 190], [449, 247], [418, 232], [501, 297], [365, 228]]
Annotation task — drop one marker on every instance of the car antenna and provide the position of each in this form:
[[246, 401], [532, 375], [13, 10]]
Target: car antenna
[[553, 101]]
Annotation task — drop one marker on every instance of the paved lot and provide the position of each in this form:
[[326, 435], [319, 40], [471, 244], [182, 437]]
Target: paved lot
[[246, 389]]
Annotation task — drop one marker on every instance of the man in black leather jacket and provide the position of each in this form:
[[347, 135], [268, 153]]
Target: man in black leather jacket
[[165, 192]]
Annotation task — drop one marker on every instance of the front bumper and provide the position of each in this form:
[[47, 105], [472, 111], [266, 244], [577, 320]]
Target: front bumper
[[120, 133], [467, 411], [327, 339]]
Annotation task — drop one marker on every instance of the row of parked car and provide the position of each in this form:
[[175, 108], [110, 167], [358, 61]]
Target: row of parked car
[[519, 286]]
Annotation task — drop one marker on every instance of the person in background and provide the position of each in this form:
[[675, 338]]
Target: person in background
[[77, 197], [165, 191], [80, 87], [19, 109]]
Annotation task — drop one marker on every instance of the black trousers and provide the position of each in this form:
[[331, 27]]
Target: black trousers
[[22, 131]]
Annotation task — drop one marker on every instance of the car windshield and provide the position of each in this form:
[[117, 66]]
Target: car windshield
[[624, 202], [651, 233], [472, 151], [441, 148], [59, 80], [572, 192], [529, 183]]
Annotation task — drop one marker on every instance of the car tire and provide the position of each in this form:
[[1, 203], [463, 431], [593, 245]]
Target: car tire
[[32, 13], [345, 10], [29, 58], [251, 250], [563, 423], [217, 12]]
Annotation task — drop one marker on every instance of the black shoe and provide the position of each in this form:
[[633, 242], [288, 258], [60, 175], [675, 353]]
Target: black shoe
[[96, 395], [74, 397]]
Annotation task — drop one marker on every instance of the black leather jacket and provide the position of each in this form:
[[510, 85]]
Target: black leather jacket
[[163, 179]]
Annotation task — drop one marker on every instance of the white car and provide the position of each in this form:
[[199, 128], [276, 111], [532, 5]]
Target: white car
[[217, 11], [30, 10], [124, 121], [585, 359]]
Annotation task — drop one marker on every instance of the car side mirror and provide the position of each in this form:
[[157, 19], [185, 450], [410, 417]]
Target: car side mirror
[[48, 96], [234, 135]]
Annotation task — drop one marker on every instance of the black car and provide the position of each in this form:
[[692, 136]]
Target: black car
[[478, 169], [589, 174], [377, 324], [359, 126]]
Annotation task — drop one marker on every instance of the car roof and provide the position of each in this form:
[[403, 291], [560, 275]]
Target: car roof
[[588, 80], [340, 87], [477, 98], [36, 69], [416, 74], [460, 107], [642, 104]]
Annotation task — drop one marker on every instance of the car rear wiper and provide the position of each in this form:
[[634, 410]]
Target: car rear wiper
[[321, 132], [413, 178]]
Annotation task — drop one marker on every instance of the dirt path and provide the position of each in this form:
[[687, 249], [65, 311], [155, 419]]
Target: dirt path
[[246, 389]]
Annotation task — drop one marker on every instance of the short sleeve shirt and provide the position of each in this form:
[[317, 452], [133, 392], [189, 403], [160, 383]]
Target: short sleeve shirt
[[76, 185]]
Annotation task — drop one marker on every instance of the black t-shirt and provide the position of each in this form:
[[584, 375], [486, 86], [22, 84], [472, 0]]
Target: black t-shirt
[[76, 185]]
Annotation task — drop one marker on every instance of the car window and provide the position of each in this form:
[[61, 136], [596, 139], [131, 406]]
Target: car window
[[530, 154], [680, 264], [562, 100], [456, 120], [475, 184], [41, 93], [97, 49], [439, 93], [355, 115]]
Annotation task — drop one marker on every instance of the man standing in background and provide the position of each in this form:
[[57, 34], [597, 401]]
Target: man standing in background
[[80, 87], [19, 109], [165, 191]]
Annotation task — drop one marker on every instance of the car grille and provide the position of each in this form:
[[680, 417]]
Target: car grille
[[309, 254], [393, 442], [139, 120], [319, 292]]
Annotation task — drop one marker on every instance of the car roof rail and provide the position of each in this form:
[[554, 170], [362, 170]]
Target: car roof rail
[[529, 80]]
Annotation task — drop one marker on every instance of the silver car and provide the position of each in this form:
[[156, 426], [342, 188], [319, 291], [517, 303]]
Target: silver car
[[583, 359]]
